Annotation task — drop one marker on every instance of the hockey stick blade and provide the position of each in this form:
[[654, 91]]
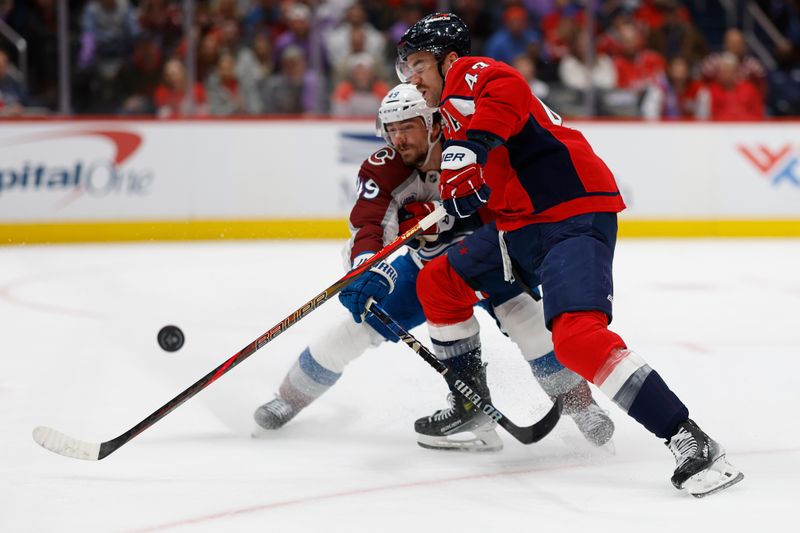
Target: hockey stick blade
[[524, 434], [62, 444]]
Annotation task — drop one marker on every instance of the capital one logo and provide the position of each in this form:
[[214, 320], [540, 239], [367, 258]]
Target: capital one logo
[[86, 173], [779, 166]]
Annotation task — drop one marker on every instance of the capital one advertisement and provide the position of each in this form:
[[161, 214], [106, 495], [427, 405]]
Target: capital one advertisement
[[150, 170]]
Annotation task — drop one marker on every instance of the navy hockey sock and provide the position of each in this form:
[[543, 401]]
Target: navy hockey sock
[[657, 408], [463, 356]]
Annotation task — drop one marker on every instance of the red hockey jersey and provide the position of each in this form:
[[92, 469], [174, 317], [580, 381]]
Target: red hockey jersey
[[543, 171]]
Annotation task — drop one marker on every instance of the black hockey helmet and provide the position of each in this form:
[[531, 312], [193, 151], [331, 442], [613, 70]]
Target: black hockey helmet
[[438, 33]]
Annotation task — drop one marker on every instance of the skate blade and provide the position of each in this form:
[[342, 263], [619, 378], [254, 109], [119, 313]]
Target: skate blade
[[260, 433], [480, 441], [719, 476], [609, 448]]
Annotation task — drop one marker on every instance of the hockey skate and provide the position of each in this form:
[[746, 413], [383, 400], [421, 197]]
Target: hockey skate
[[595, 424], [592, 421], [460, 426], [702, 468], [273, 415]]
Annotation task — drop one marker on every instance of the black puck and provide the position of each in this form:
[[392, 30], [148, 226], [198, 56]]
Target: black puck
[[170, 338]]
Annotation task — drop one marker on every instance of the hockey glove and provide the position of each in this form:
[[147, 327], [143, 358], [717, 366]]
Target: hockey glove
[[376, 283], [462, 185], [410, 214]]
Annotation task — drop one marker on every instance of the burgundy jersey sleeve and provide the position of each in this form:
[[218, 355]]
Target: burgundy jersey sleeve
[[374, 212]]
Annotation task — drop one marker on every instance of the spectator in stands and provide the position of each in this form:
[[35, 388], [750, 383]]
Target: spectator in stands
[[560, 25], [262, 52], [207, 55], [227, 93], [36, 22], [223, 11], [653, 14], [162, 20], [784, 82], [12, 95], [172, 96], [478, 17], [293, 90], [230, 42], [785, 16], [729, 97], [527, 67], [610, 41], [355, 35], [140, 78], [514, 38], [539, 8], [672, 96], [575, 72], [636, 66], [360, 94], [409, 14], [109, 29], [298, 18], [542, 8], [264, 16], [341, 65], [676, 36], [749, 68]]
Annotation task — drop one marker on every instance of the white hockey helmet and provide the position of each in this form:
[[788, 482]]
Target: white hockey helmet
[[403, 102]]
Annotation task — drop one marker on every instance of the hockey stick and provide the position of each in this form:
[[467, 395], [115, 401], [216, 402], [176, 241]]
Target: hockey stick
[[525, 435], [62, 444]]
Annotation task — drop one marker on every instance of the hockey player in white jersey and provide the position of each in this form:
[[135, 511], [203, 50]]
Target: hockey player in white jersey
[[397, 186]]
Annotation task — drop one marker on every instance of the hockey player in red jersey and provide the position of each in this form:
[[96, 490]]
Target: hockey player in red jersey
[[397, 185], [556, 204]]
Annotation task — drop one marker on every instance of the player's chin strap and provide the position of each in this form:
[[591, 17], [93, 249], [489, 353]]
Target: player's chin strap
[[431, 144]]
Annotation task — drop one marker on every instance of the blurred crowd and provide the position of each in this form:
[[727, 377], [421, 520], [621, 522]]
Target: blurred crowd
[[657, 59]]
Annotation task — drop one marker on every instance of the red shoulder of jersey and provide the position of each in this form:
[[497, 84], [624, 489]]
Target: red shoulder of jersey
[[489, 95], [380, 174]]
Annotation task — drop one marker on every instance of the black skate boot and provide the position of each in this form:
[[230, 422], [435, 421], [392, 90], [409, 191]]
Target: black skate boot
[[702, 467], [592, 421], [275, 414], [461, 426]]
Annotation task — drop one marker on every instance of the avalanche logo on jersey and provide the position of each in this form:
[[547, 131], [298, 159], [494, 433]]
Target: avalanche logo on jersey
[[779, 166]]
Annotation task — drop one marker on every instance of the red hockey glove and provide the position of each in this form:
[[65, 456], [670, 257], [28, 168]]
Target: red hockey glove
[[462, 185], [411, 213]]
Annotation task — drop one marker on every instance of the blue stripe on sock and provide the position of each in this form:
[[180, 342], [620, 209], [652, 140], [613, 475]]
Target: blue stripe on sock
[[316, 371], [546, 365]]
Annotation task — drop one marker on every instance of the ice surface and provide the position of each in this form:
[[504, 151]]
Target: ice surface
[[78, 324]]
